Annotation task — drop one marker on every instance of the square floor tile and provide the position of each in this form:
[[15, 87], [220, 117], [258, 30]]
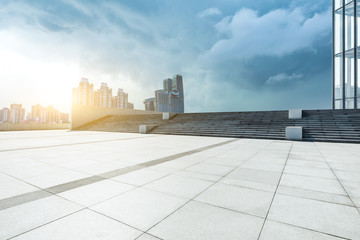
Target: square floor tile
[[335, 219], [201, 221], [15, 187], [210, 169], [85, 224], [312, 183], [56, 178], [140, 208], [140, 177], [240, 199], [179, 186], [24, 217], [321, 196], [278, 231], [94, 193], [310, 171], [255, 175]]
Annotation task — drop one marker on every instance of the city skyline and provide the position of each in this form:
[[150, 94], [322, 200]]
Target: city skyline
[[282, 61], [16, 113]]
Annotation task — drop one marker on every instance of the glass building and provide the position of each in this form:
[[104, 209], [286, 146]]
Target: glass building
[[346, 54]]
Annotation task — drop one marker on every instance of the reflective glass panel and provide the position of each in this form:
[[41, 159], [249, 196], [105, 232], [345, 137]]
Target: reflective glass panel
[[358, 22], [338, 104], [358, 73], [349, 26], [338, 33], [347, 1], [349, 103], [338, 3], [349, 74], [338, 76]]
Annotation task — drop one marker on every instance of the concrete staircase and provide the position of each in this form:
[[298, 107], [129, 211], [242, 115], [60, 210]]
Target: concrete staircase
[[318, 125]]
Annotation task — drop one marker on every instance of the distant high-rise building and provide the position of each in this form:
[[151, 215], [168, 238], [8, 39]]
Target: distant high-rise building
[[177, 95], [162, 101], [42, 114], [130, 105], [36, 112], [105, 95], [4, 114], [170, 98], [84, 94], [120, 100], [17, 113], [150, 104], [168, 84]]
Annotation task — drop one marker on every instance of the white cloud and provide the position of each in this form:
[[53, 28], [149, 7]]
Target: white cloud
[[277, 33], [282, 78], [209, 12]]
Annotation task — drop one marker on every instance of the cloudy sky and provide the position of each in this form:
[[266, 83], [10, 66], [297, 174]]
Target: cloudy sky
[[234, 55]]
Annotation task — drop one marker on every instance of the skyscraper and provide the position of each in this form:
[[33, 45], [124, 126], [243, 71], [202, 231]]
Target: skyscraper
[[120, 100], [17, 113], [168, 99], [84, 94], [4, 114], [150, 104], [105, 95], [177, 99]]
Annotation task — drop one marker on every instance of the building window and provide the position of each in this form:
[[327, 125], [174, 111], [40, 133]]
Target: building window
[[338, 31], [349, 26], [346, 60]]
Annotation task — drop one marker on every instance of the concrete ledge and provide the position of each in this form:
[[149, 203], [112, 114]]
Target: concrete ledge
[[295, 113], [166, 116], [82, 114], [294, 133], [33, 126], [144, 129]]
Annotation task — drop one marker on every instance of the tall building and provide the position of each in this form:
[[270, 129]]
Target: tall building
[[161, 101], [4, 114], [177, 98], [346, 54], [130, 105], [168, 99], [150, 104], [120, 100], [84, 94], [42, 114], [17, 113], [36, 112], [105, 95]]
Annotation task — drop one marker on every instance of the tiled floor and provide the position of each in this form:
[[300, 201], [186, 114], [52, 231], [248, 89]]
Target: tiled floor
[[97, 185]]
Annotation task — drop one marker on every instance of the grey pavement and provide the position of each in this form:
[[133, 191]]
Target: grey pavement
[[99, 185]]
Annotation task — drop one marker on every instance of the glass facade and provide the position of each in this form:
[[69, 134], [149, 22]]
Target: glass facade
[[346, 54]]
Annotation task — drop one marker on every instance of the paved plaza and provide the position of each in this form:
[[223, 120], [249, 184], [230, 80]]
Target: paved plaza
[[99, 185]]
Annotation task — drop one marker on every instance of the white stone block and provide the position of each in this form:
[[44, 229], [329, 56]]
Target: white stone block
[[143, 129], [166, 116], [294, 133], [295, 113]]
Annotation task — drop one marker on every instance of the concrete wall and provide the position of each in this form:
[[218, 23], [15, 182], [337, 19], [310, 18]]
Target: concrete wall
[[33, 126], [82, 114]]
